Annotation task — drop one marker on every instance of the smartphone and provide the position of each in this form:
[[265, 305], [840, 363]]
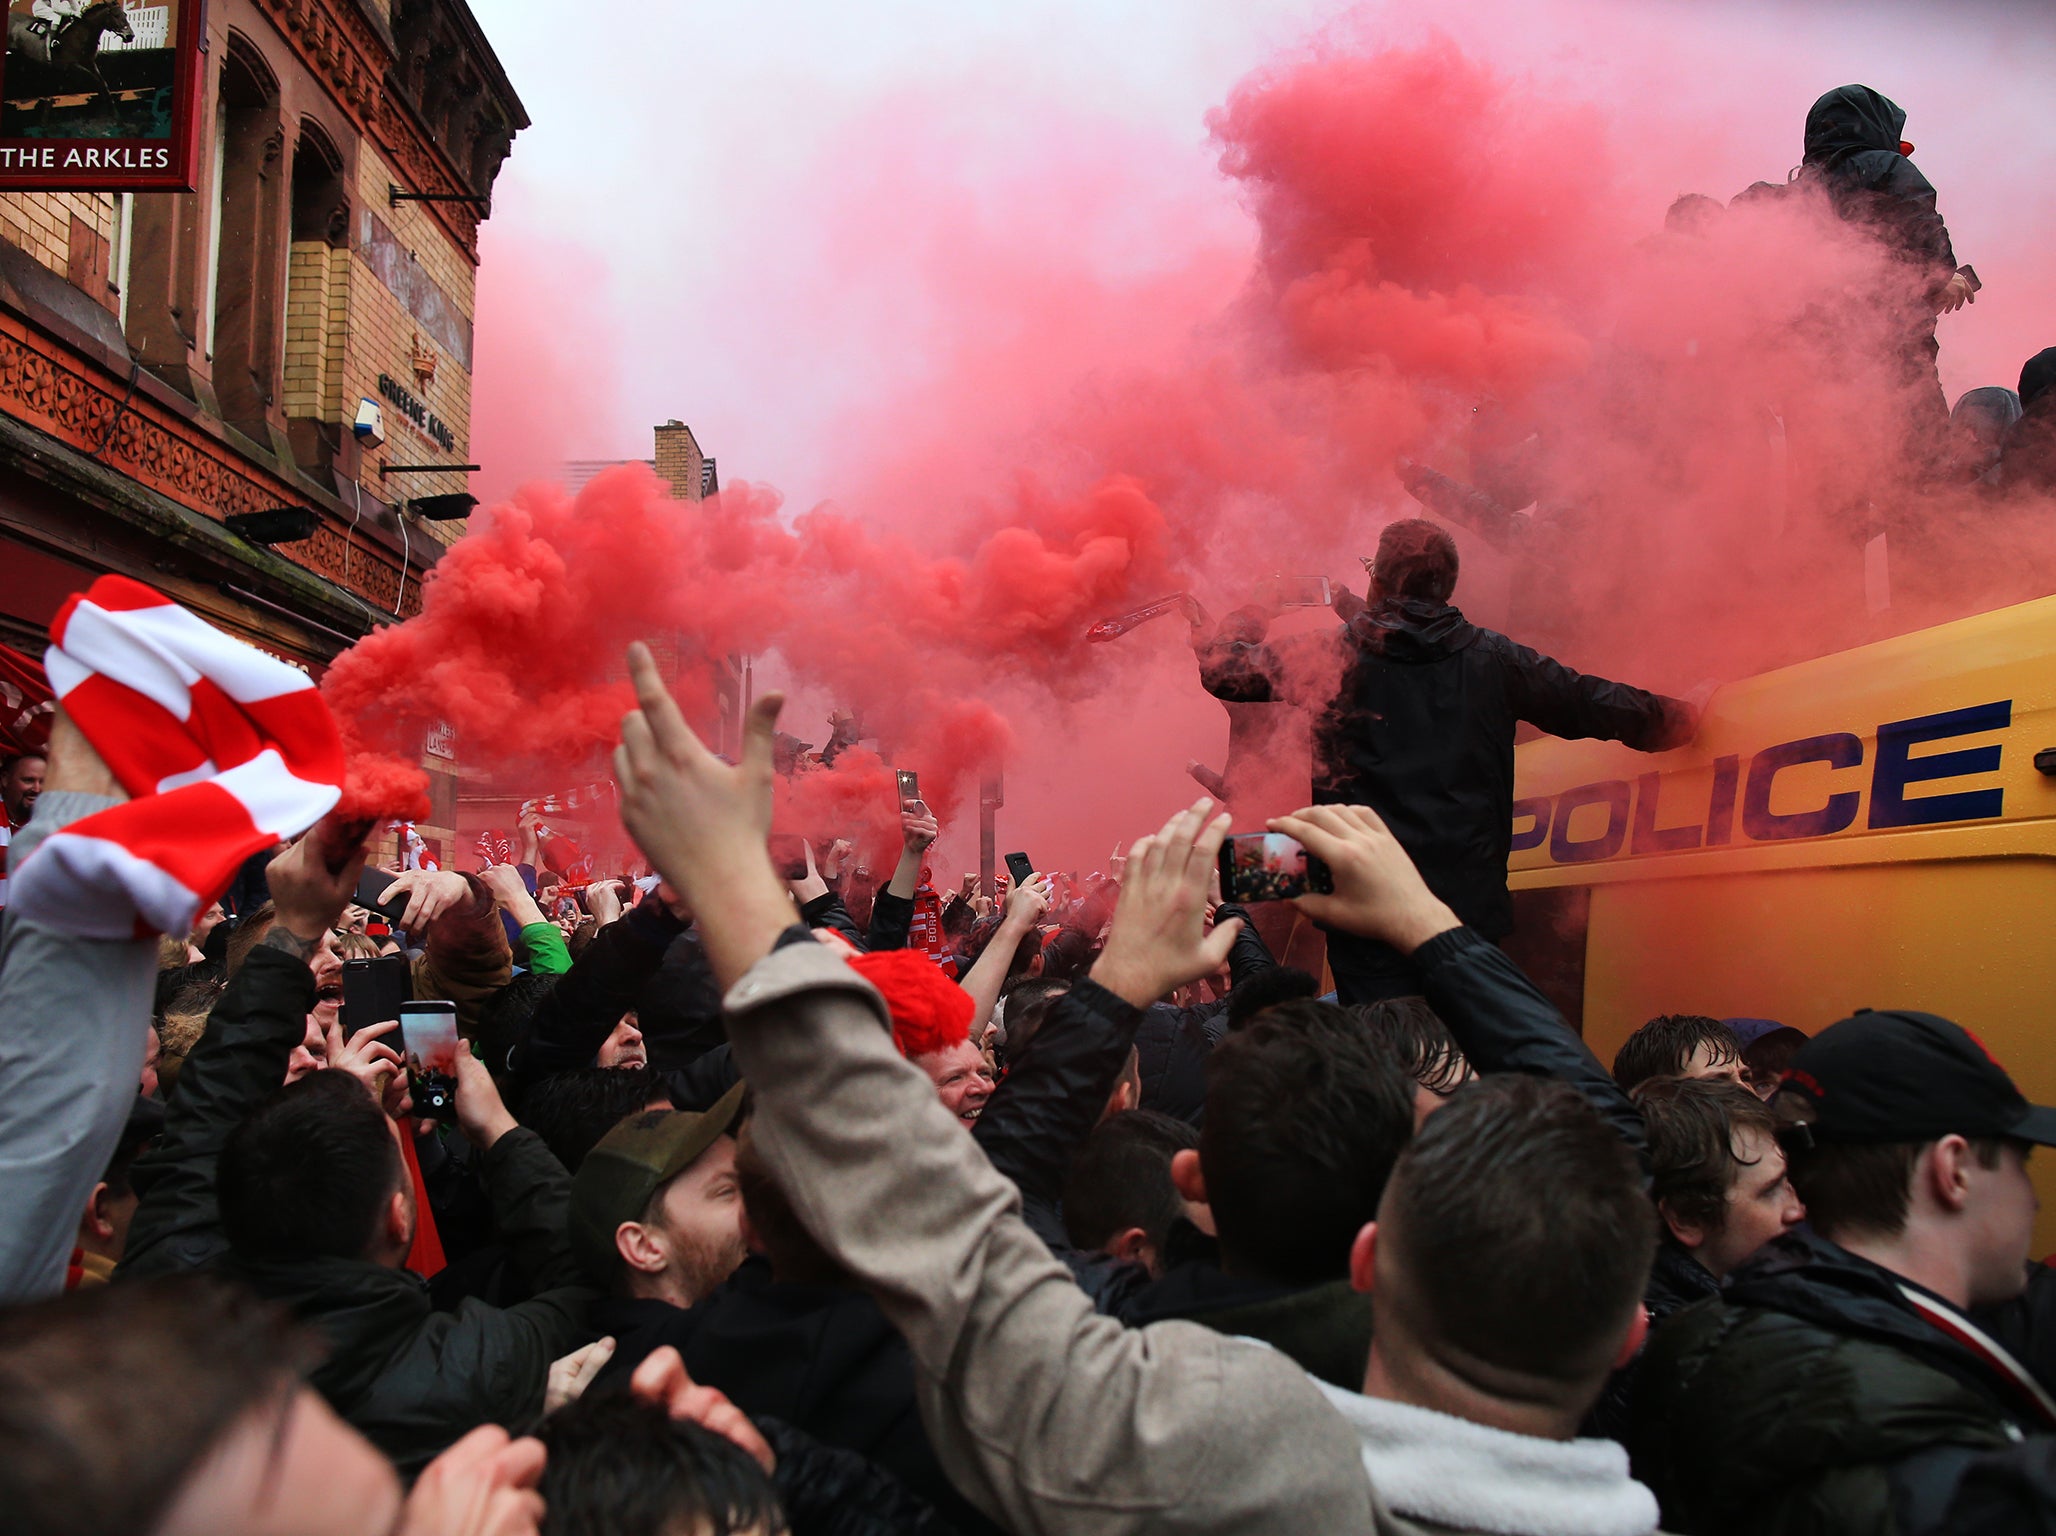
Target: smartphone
[[428, 1037], [375, 990], [1269, 866], [370, 886], [789, 854], [1019, 870], [1304, 592], [910, 789]]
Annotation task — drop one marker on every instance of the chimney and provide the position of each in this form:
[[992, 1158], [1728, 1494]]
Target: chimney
[[680, 463]]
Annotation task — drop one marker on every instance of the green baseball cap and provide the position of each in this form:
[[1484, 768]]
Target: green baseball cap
[[631, 1163]]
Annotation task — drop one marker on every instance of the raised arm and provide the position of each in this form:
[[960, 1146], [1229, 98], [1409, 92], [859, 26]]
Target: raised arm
[[892, 910], [573, 1019], [1025, 906], [74, 1010], [1133, 1430], [1550, 695], [1498, 1018], [547, 954], [821, 905]]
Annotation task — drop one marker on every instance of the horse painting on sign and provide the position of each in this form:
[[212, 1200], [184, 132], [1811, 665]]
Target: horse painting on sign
[[67, 47], [84, 74]]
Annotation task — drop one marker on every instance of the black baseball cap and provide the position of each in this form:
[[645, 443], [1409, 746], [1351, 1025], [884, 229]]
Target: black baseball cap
[[631, 1163], [1896, 1075]]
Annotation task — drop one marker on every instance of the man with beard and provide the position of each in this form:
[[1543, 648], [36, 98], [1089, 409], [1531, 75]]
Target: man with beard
[[656, 1219]]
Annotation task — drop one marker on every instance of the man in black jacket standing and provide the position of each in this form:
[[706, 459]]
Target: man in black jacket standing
[[1420, 727]]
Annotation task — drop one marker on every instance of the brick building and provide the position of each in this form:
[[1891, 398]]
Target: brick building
[[170, 360]]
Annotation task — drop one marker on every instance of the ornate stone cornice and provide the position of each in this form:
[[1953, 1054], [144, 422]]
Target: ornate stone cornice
[[346, 49], [78, 405]]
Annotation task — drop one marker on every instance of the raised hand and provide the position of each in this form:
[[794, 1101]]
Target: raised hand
[[429, 892], [919, 829], [1027, 903], [1158, 941], [307, 894], [701, 823], [572, 1374], [603, 901], [1378, 892], [365, 1055], [482, 1114]]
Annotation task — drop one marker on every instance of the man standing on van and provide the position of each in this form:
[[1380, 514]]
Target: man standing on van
[[1419, 726]]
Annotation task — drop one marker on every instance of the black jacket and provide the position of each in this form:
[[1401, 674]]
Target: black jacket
[[1812, 1397], [414, 1380], [1421, 730], [821, 1358], [239, 1062], [411, 1379], [1050, 1100], [1325, 1328], [1852, 146], [827, 1491], [1676, 1281], [827, 911]]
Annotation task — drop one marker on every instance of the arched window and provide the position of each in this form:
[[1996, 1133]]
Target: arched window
[[243, 332], [317, 298]]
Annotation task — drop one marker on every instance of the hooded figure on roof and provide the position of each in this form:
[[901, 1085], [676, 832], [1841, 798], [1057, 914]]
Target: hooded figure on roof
[[1856, 155]]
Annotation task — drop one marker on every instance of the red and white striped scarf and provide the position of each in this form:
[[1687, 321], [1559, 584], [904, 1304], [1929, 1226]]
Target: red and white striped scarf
[[224, 751]]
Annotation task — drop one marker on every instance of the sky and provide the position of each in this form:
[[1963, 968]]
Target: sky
[[705, 214]]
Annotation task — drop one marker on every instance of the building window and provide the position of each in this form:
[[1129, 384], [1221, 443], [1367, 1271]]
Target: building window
[[317, 300], [249, 261]]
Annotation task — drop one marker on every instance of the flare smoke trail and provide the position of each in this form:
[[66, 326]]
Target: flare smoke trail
[[1455, 262]]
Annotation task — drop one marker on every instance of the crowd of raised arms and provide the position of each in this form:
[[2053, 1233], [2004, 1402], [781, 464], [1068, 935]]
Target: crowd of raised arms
[[753, 1199]]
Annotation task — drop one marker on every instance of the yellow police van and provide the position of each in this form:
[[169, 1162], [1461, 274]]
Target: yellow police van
[[1875, 828]]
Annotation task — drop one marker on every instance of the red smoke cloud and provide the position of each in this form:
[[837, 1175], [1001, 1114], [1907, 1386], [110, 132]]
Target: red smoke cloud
[[1454, 262]]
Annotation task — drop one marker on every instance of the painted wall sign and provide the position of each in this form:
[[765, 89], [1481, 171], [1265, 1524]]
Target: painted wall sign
[[417, 414], [1815, 786], [99, 95]]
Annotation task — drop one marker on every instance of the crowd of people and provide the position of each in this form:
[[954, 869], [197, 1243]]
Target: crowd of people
[[752, 1218], [766, 1201]]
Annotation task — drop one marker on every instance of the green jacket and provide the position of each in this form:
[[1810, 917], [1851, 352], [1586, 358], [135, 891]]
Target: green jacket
[[1812, 1399]]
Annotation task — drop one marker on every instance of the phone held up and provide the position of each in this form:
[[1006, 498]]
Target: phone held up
[[375, 990], [1269, 866], [1019, 870], [1305, 592], [371, 885], [428, 1034], [910, 790]]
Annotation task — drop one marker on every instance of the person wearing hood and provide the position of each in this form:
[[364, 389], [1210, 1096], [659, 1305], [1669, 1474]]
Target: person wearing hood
[[1855, 153], [2028, 459], [1421, 729]]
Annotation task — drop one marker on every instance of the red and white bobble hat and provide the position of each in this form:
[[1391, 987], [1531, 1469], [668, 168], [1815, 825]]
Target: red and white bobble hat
[[224, 751]]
